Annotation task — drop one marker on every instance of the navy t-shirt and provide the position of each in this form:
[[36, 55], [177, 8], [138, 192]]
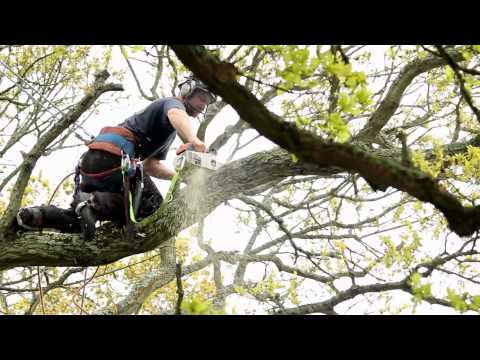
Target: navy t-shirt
[[153, 128]]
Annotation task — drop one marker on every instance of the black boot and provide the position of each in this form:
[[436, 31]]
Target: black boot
[[48, 217], [30, 218]]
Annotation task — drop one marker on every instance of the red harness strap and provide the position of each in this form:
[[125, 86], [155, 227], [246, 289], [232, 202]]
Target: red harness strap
[[101, 174], [114, 139]]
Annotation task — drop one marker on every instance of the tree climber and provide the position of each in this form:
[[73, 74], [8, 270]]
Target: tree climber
[[108, 170]]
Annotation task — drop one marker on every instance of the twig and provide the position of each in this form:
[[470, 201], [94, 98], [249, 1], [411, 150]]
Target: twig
[[41, 290], [139, 86], [178, 274], [83, 290], [275, 218]]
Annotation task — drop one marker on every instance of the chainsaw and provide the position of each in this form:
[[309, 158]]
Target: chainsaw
[[206, 160], [186, 155]]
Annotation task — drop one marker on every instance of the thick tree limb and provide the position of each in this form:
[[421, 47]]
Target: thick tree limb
[[56, 249], [212, 112]]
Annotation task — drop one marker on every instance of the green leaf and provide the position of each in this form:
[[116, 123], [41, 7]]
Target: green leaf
[[415, 280], [336, 127], [60, 50], [351, 82], [301, 121], [426, 290], [467, 55], [195, 307], [364, 96], [475, 301], [345, 103], [339, 69], [456, 300], [361, 77], [449, 74], [137, 48]]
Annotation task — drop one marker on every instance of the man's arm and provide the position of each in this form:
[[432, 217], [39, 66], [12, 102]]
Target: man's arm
[[155, 168], [181, 122]]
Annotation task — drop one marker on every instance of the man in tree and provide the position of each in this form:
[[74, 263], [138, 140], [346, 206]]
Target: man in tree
[[101, 191]]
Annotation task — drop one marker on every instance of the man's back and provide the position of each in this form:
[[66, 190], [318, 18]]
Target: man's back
[[153, 128]]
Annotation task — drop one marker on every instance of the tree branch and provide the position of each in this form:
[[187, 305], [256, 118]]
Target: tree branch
[[178, 274], [139, 86], [456, 69], [392, 100]]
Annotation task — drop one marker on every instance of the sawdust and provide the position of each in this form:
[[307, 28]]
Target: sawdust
[[187, 203]]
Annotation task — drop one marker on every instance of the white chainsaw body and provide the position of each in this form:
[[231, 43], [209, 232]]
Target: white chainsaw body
[[204, 160]]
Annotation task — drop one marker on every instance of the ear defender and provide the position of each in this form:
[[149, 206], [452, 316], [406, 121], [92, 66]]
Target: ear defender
[[185, 88]]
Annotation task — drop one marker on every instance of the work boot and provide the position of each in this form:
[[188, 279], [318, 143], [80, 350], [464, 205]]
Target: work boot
[[88, 219], [30, 218], [48, 217]]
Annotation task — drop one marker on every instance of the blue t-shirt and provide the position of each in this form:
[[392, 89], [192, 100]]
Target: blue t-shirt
[[153, 128]]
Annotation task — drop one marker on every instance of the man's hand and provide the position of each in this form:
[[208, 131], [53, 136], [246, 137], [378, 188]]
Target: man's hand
[[199, 145], [196, 144]]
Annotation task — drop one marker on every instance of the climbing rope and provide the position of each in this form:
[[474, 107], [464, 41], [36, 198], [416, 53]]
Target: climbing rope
[[58, 186], [171, 188]]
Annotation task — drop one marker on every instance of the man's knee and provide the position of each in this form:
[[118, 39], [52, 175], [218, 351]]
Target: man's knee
[[110, 206], [107, 205]]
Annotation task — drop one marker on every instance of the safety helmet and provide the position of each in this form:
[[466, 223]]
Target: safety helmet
[[191, 84]]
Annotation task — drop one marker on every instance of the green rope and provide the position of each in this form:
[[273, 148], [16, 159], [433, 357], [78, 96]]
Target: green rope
[[124, 168], [171, 189], [131, 212]]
